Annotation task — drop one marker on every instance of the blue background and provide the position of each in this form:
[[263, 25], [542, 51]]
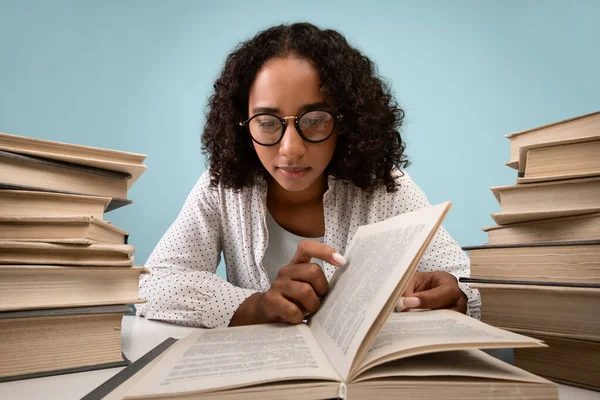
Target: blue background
[[136, 75]]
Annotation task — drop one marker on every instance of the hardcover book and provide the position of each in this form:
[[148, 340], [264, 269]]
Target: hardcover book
[[40, 343], [354, 346]]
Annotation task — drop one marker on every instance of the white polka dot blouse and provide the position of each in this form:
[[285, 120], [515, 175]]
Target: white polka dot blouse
[[183, 286]]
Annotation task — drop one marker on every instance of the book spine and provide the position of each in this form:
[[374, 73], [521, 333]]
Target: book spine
[[342, 391]]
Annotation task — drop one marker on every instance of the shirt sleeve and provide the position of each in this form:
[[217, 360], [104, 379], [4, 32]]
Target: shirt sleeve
[[443, 253], [183, 286]]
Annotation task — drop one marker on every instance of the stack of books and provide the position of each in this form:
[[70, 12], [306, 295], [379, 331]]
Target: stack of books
[[66, 274], [540, 272]]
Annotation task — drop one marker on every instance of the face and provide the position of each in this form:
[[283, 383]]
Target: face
[[284, 87]]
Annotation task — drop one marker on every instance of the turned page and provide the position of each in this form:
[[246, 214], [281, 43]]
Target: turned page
[[218, 359], [378, 258], [468, 364], [410, 333]]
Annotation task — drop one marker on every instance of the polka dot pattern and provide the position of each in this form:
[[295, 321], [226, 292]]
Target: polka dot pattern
[[183, 287]]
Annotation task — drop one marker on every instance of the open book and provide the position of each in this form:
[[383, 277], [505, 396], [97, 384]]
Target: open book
[[353, 347]]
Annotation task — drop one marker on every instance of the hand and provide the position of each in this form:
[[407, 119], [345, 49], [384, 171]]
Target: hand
[[296, 290], [433, 290]]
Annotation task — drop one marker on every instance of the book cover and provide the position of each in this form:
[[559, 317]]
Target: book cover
[[108, 388]]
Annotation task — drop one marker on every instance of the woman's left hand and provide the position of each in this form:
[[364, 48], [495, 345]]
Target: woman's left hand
[[433, 290]]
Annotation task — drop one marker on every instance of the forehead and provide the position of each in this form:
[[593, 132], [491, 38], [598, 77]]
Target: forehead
[[286, 83]]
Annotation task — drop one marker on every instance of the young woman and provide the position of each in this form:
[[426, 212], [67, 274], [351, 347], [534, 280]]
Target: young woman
[[303, 144]]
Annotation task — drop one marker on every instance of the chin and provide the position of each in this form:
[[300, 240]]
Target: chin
[[293, 186]]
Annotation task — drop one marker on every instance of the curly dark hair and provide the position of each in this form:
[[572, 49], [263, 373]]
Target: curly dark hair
[[369, 142]]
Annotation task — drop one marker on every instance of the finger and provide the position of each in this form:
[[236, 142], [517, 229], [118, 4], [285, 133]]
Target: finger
[[419, 282], [303, 295], [407, 302], [439, 297], [309, 249], [409, 290], [461, 305], [309, 273], [439, 278], [281, 308]]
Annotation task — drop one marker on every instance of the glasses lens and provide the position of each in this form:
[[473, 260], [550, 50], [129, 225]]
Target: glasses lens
[[265, 129], [316, 125]]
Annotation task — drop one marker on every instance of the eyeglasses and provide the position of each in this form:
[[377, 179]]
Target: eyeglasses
[[313, 126]]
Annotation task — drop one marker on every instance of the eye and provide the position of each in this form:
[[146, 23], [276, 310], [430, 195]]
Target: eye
[[316, 120], [313, 121], [267, 123]]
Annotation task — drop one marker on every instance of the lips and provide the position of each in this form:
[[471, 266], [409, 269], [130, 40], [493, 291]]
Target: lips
[[293, 172], [293, 169]]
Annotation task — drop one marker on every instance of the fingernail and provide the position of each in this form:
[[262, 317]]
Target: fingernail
[[339, 259], [411, 302], [400, 305]]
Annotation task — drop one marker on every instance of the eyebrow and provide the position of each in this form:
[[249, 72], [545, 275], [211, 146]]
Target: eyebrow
[[305, 107]]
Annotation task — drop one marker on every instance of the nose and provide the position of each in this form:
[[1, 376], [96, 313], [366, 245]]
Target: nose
[[292, 145]]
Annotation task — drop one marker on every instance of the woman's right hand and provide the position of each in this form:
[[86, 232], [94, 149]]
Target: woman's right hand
[[296, 290]]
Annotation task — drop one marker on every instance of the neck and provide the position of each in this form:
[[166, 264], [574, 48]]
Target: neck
[[311, 195]]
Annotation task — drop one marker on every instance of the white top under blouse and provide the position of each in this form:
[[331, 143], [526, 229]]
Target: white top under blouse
[[183, 286], [282, 248]]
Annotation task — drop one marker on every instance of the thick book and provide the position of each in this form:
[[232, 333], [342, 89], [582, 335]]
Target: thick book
[[74, 230], [426, 375], [564, 229], [566, 360], [537, 201], [24, 287], [112, 160], [564, 310], [113, 204], [528, 283], [573, 262], [34, 173], [573, 128], [354, 346], [563, 159], [25, 203], [59, 341], [109, 255]]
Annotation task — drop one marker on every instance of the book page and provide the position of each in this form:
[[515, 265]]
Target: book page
[[465, 363], [377, 259], [217, 359], [410, 333]]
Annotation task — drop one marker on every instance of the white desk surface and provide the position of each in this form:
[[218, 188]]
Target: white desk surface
[[138, 337]]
